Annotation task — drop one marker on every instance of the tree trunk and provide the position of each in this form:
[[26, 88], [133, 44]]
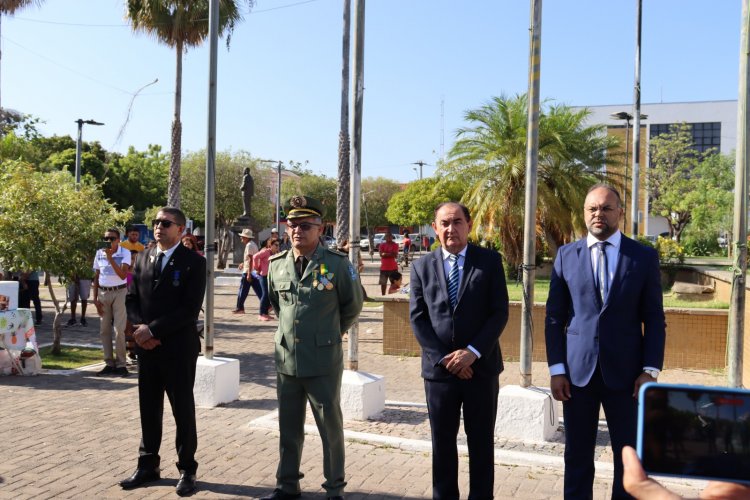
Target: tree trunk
[[59, 311], [173, 191], [225, 243], [342, 189]]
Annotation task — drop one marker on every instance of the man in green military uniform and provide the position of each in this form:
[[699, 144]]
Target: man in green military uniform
[[317, 296]]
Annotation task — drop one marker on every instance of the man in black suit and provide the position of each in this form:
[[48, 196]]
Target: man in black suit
[[459, 307], [163, 303], [605, 335]]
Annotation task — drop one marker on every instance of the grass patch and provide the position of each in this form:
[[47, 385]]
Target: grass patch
[[541, 291], [70, 357], [371, 303]]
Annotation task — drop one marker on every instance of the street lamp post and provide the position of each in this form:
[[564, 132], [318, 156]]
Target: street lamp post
[[80, 123], [419, 232], [624, 115], [278, 192]]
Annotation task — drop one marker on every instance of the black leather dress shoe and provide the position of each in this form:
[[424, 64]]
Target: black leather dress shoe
[[281, 495], [139, 478], [186, 485]]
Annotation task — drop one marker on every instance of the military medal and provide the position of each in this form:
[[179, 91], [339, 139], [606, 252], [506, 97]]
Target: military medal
[[176, 278], [315, 279], [329, 286]]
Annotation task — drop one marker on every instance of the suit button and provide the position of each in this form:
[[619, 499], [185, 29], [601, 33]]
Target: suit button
[[329, 341], [297, 341], [296, 322]]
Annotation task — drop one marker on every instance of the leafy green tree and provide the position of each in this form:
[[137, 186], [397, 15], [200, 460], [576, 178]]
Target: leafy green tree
[[415, 205], [21, 124], [47, 224], [180, 24], [138, 179], [228, 200], [377, 193], [490, 156], [316, 186], [687, 186]]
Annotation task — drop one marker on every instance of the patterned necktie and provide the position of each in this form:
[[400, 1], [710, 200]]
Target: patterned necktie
[[157, 266], [602, 270], [453, 280]]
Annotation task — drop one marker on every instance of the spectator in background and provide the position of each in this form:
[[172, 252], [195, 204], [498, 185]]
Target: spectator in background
[[407, 247], [28, 292], [247, 280], [396, 281], [78, 289], [260, 267], [111, 266], [388, 253], [285, 243], [191, 243], [132, 241]]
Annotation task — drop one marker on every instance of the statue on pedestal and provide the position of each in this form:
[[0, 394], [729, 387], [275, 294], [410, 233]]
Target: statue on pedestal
[[248, 190]]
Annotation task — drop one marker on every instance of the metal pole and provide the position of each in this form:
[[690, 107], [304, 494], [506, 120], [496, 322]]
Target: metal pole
[[625, 181], [210, 247], [78, 153], [356, 162], [529, 220], [278, 198], [636, 126], [736, 328]]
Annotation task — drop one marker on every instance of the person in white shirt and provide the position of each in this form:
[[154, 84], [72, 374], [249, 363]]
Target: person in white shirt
[[111, 266]]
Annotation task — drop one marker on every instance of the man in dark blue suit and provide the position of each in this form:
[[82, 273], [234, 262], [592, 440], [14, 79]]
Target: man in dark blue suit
[[605, 335], [459, 307]]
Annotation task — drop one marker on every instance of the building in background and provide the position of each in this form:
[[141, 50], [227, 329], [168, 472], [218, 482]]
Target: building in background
[[714, 125]]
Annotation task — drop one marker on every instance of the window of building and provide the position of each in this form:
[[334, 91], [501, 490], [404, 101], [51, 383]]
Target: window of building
[[706, 135]]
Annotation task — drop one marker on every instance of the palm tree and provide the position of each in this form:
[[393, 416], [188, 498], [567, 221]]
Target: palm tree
[[491, 156], [180, 24], [11, 6], [342, 189]]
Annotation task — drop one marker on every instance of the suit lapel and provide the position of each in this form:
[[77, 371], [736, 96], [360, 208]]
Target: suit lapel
[[314, 262], [437, 264], [467, 272], [587, 271], [624, 259]]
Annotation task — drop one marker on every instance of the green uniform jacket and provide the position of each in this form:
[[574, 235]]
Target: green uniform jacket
[[311, 320]]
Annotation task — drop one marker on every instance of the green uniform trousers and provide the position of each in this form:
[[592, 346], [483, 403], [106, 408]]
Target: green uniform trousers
[[323, 392]]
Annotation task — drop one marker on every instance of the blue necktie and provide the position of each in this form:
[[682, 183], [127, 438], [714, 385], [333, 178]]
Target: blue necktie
[[603, 270], [453, 280]]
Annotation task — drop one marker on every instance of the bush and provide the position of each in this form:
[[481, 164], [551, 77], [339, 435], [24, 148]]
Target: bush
[[702, 245], [645, 241], [670, 252]]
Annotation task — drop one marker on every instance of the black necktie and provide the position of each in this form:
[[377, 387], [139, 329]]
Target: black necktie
[[603, 270], [301, 265], [157, 265]]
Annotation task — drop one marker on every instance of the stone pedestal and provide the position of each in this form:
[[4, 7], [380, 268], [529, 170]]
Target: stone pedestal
[[217, 381], [529, 414], [238, 248], [362, 395]]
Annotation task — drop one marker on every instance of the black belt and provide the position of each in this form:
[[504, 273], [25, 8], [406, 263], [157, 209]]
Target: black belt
[[112, 288]]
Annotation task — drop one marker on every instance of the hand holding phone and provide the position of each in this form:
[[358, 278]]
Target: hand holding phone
[[694, 431]]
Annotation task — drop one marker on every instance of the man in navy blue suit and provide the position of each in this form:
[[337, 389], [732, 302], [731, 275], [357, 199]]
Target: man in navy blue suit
[[459, 307], [605, 335]]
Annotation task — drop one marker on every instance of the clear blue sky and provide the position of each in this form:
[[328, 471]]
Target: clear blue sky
[[279, 83]]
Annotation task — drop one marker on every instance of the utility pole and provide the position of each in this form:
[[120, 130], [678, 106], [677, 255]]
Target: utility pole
[[356, 161], [78, 147], [636, 125], [736, 327], [210, 215], [419, 233], [529, 220]]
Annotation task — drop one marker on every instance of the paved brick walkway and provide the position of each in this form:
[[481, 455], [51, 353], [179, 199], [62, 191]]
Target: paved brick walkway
[[76, 436]]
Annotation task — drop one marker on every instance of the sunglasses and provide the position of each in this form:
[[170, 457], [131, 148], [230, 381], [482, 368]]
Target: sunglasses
[[110, 238], [305, 226], [164, 223]]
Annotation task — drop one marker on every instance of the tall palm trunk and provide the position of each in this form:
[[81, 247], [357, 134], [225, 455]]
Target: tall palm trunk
[[173, 191], [342, 189]]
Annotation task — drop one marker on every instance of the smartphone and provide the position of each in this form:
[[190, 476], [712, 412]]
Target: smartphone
[[103, 244], [695, 431]]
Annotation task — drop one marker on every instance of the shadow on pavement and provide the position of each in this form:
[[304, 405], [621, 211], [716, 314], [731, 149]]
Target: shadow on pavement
[[237, 490], [252, 404], [81, 380]]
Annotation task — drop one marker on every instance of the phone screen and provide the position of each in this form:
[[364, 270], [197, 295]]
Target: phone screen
[[701, 432]]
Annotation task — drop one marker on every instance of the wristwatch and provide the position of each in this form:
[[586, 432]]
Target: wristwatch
[[652, 373]]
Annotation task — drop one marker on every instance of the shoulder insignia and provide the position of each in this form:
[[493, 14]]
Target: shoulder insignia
[[279, 255], [336, 252]]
